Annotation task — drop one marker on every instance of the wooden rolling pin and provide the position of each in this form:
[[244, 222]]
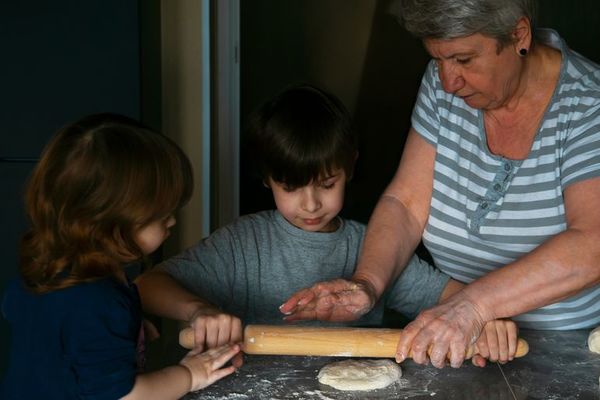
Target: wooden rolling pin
[[296, 340]]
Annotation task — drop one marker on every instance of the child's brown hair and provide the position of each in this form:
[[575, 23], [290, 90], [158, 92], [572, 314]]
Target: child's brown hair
[[98, 181]]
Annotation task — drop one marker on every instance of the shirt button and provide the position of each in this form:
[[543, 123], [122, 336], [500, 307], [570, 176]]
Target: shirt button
[[507, 167], [497, 187], [484, 206]]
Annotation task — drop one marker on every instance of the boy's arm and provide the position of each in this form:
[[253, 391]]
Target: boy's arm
[[451, 287]]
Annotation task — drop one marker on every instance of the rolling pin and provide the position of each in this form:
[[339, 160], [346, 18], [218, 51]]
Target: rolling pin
[[296, 340]]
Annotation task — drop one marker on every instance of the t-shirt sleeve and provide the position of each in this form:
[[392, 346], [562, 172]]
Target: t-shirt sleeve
[[425, 118], [417, 288], [207, 269], [100, 338], [581, 152]]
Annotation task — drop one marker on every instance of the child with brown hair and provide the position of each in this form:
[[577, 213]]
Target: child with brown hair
[[102, 196]]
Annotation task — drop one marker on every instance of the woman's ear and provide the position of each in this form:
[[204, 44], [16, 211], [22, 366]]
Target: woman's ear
[[522, 36]]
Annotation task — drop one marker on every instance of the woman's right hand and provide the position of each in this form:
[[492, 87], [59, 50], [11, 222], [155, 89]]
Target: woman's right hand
[[213, 328], [207, 367], [337, 300]]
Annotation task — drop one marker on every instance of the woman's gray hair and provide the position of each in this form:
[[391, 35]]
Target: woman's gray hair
[[449, 19]]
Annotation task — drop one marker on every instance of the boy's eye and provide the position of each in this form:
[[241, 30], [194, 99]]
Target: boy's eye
[[288, 189], [329, 183]]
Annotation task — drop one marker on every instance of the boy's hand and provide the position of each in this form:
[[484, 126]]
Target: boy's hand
[[336, 300], [213, 328], [498, 342], [205, 368]]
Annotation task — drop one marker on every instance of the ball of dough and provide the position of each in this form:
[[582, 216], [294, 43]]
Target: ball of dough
[[594, 340], [360, 374]]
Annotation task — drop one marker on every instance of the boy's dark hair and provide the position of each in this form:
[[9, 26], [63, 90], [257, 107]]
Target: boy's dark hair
[[98, 181], [300, 135]]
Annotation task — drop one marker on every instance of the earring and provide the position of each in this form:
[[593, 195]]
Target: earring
[[523, 51]]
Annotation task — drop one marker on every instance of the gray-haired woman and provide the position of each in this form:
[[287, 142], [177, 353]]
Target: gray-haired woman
[[499, 178]]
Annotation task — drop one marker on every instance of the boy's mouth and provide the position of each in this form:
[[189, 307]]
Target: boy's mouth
[[312, 221]]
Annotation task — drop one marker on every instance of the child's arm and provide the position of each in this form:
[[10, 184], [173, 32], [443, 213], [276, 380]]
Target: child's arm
[[196, 371], [163, 296]]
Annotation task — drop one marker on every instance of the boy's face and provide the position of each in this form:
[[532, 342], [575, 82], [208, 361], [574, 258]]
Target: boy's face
[[312, 207]]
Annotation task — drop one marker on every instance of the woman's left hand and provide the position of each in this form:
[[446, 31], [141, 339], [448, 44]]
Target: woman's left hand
[[442, 332]]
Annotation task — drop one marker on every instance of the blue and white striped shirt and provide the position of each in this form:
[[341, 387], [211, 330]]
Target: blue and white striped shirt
[[486, 210]]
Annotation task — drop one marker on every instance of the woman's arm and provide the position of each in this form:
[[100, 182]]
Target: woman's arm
[[398, 221], [559, 268]]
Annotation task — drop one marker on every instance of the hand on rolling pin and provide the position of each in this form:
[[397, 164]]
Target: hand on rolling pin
[[213, 328], [445, 330], [497, 343], [337, 300]]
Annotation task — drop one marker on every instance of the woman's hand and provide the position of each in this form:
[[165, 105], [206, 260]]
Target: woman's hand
[[441, 332], [213, 328], [206, 368], [336, 300]]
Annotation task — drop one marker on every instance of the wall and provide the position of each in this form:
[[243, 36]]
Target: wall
[[183, 111]]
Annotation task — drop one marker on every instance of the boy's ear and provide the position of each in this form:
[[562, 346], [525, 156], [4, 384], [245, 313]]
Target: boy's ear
[[349, 178]]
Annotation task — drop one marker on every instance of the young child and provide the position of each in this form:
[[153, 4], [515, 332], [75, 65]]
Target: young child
[[305, 148], [102, 196]]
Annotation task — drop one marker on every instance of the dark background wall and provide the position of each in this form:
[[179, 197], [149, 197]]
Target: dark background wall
[[318, 41], [60, 60]]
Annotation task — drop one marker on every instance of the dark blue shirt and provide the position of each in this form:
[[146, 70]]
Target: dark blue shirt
[[74, 343]]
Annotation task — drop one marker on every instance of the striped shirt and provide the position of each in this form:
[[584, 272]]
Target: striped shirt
[[487, 211]]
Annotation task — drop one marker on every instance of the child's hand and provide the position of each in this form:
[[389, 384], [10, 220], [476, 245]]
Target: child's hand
[[213, 328], [497, 342], [205, 368]]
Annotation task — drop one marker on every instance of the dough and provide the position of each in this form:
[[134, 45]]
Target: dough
[[594, 340], [360, 374]]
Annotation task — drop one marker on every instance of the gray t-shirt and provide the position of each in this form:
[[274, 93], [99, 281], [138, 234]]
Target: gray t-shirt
[[250, 267]]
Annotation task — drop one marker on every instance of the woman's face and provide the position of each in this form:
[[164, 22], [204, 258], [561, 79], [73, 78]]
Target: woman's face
[[472, 68]]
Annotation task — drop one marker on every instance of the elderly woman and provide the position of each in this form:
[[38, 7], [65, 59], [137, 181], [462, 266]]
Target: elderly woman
[[499, 178]]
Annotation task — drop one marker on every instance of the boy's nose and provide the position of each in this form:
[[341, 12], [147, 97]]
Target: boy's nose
[[310, 200]]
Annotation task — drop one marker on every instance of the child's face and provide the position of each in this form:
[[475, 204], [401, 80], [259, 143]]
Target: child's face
[[312, 207], [151, 236]]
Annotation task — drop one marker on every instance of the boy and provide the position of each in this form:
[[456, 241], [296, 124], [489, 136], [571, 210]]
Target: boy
[[305, 148]]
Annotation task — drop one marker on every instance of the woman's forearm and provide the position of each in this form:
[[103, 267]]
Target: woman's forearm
[[391, 239], [557, 269], [398, 221]]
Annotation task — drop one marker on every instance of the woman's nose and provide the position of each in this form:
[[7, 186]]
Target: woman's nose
[[452, 80]]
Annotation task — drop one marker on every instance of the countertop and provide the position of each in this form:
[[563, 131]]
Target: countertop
[[558, 366]]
